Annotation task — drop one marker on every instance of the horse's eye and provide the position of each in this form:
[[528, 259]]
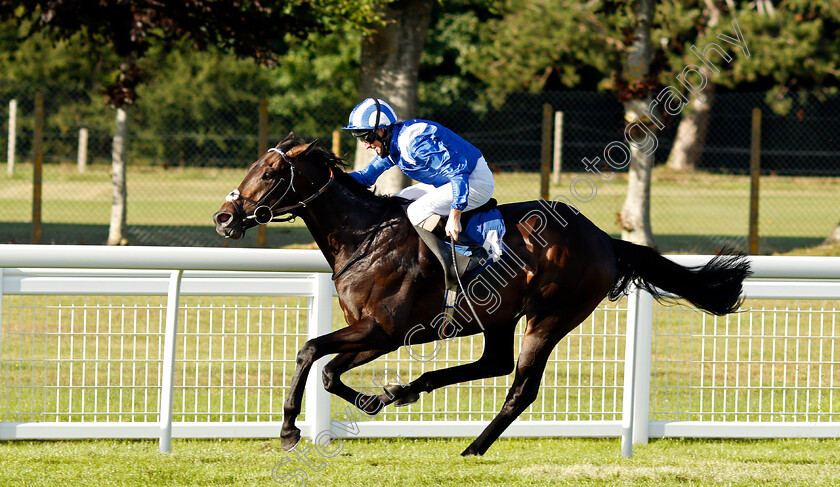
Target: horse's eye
[[269, 175]]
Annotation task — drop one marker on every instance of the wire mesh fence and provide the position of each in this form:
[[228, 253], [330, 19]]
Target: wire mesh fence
[[774, 362], [98, 359], [182, 161]]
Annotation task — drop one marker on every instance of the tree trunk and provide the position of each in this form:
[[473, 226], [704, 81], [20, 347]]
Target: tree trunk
[[635, 214], [117, 229], [834, 237], [691, 133], [390, 67]]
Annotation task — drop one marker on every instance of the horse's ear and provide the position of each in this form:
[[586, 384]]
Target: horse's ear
[[288, 138], [302, 149]]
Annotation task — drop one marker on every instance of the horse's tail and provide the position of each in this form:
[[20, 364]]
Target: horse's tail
[[714, 287]]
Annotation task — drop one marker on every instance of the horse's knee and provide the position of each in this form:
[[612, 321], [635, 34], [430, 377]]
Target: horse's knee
[[329, 378], [520, 398], [306, 355]]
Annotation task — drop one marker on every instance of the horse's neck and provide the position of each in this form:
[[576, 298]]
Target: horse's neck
[[341, 222]]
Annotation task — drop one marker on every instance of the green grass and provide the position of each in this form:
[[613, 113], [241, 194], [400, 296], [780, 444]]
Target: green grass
[[425, 462], [690, 213]]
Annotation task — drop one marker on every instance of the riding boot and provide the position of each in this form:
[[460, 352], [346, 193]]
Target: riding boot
[[444, 256], [478, 255]]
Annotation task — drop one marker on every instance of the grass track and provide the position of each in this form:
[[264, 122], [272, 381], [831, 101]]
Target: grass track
[[426, 462]]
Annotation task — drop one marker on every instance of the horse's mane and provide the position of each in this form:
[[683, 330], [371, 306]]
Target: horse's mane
[[340, 167]]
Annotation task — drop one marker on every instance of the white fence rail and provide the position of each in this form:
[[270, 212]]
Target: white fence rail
[[148, 342]]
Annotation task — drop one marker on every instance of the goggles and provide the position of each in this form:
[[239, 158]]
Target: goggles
[[368, 136]]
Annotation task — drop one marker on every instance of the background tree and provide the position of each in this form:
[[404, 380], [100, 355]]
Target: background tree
[[694, 121], [793, 46], [634, 218], [249, 29], [390, 64], [579, 43]]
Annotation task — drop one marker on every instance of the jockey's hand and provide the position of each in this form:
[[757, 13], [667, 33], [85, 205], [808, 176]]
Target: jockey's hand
[[453, 224]]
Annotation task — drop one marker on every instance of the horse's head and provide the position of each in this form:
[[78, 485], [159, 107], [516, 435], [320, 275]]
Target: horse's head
[[278, 183]]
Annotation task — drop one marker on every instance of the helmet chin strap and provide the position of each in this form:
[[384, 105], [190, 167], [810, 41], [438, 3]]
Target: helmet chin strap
[[386, 139], [386, 142]]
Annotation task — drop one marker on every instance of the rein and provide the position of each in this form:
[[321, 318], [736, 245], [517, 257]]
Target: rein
[[264, 214]]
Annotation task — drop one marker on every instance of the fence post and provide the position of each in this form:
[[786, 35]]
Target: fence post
[[545, 162], [558, 147], [168, 374], [1, 311], [81, 159], [639, 333], [319, 323], [10, 150], [642, 355], [629, 388], [336, 142], [37, 169], [755, 170], [262, 230]]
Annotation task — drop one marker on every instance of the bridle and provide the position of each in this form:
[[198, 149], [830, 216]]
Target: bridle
[[263, 213]]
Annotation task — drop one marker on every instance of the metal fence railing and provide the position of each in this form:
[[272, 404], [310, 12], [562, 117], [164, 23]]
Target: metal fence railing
[[99, 353]]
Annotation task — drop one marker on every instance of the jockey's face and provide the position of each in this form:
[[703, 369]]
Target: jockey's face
[[376, 145]]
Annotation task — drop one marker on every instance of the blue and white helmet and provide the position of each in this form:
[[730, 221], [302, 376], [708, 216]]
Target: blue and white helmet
[[370, 114]]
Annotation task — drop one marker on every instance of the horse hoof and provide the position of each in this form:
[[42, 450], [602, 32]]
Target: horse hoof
[[407, 399], [470, 452], [370, 405], [398, 395], [288, 441]]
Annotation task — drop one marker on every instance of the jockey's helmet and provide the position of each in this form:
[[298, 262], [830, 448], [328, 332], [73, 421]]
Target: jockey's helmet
[[368, 115]]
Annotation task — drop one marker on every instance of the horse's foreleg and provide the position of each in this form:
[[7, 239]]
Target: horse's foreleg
[[361, 337], [536, 348], [495, 360]]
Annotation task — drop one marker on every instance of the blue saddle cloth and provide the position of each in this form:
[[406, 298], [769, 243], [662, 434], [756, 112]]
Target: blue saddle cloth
[[484, 229]]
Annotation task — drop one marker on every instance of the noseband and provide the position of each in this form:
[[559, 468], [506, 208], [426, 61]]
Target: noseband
[[264, 213]]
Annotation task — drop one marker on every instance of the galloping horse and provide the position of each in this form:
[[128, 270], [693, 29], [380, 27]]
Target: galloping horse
[[558, 266]]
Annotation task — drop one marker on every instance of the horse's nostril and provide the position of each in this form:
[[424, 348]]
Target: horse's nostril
[[223, 217]]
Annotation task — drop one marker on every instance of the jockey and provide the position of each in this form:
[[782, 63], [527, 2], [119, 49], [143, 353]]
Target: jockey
[[452, 175]]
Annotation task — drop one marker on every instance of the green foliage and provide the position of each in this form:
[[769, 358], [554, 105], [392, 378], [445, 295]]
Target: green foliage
[[206, 100], [455, 31], [796, 47], [315, 85], [249, 29], [536, 40], [535, 44], [208, 95]]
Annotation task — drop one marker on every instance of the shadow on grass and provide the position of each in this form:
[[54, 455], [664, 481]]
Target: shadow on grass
[[177, 236], [280, 236], [711, 244]]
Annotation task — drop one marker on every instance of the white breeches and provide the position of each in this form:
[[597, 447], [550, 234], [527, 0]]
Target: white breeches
[[429, 200]]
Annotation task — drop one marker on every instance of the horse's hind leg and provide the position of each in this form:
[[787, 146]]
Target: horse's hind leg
[[537, 345], [496, 360], [340, 364]]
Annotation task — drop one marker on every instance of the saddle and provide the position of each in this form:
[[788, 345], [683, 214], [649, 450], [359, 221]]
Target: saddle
[[438, 243]]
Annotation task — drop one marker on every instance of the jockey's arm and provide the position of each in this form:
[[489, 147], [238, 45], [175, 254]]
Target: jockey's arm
[[372, 171], [460, 190]]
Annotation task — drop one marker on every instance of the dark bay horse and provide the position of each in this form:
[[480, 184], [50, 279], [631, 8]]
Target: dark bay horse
[[557, 267]]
